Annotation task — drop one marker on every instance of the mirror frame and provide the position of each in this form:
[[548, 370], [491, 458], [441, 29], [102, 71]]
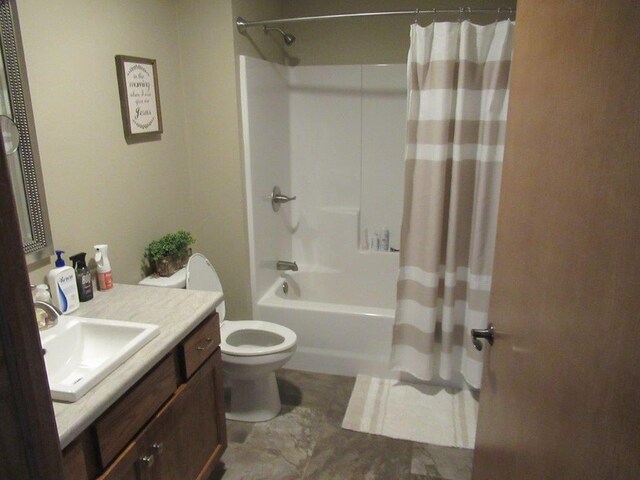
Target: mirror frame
[[16, 73]]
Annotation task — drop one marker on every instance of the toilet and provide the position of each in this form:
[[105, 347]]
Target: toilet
[[252, 350]]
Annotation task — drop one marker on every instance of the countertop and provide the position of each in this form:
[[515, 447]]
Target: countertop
[[176, 311]]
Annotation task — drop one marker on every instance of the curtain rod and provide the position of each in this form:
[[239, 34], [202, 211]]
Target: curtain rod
[[242, 24]]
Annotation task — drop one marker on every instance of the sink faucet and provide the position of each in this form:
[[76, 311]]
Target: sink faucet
[[51, 314], [284, 265]]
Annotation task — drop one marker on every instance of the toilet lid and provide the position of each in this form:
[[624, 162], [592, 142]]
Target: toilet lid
[[202, 276]]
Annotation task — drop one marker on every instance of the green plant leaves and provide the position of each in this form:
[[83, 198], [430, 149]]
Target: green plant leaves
[[171, 245]]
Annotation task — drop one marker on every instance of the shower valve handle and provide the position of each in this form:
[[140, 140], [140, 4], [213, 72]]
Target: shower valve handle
[[277, 199], [478, 333], [282, 198]]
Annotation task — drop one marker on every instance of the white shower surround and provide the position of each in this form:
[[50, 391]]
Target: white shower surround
[[334, 136]]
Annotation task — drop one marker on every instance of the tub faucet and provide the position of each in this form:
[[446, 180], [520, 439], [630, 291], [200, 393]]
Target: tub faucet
[[284, 265]]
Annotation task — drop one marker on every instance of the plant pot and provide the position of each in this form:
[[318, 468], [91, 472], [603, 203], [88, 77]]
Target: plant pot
[[167, 266]]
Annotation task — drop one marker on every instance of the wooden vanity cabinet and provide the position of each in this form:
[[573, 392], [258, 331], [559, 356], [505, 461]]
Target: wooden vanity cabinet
[[183, 441], [186, 437]]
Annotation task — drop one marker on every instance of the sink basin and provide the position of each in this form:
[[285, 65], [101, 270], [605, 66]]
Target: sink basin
[[81, 352]]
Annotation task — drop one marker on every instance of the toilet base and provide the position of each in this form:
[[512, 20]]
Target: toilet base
[[256, 400]]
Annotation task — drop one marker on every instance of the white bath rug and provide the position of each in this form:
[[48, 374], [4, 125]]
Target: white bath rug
[[421, 413]]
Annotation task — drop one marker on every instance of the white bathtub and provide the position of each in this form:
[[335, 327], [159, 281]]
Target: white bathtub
[[343, 327]]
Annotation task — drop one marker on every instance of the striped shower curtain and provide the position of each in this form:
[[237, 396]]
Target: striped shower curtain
[[458, 87]]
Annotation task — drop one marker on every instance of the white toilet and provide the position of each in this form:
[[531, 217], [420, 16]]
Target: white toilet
[[252, 350]]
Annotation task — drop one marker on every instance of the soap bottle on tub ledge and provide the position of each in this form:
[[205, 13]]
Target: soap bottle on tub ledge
[[104, 280]]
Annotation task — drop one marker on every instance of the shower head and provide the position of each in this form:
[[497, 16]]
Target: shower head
[[288, 37]]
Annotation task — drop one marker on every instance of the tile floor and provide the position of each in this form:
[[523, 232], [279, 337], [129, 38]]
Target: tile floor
[[306, 442]]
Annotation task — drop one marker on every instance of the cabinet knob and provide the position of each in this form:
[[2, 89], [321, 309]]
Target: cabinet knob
[[158, 447], [147, 461], [207, 343]]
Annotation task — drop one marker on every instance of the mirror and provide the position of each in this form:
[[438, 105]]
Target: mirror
[[10, 135], [19, 137]]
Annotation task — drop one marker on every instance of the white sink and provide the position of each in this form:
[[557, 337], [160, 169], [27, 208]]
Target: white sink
[[81, 352]]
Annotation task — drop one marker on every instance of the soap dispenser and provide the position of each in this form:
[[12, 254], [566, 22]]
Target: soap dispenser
[[83, 276]]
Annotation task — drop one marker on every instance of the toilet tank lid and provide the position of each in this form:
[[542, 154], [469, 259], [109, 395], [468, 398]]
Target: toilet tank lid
[[177, 280]]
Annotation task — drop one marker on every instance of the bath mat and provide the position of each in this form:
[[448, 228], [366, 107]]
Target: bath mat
[[420, 413]]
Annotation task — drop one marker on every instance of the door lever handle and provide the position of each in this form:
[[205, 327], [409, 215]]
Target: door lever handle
[[478, 333]]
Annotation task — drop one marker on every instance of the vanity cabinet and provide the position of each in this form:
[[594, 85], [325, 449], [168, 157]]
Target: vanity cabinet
[[183, 437]]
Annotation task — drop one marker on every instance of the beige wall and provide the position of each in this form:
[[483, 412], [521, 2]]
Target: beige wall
[[211, 104], [216, 199], [363, 40], [99, 189]]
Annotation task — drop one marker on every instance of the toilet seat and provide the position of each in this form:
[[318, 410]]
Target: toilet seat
[[246, 338], [240, 338]]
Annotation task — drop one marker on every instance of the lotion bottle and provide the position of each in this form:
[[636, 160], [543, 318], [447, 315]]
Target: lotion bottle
[[62, 283], [104, 278]]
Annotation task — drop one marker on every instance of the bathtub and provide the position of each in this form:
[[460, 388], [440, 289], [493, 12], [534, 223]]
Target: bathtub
[[343, 327]]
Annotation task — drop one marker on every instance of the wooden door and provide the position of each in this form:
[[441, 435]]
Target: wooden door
[[561, 388], [29, 444]]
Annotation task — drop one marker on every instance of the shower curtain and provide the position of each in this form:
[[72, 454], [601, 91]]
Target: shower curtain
[[458, 87]]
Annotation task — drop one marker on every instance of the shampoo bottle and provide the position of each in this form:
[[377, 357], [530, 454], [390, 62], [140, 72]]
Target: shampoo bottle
[[384, 239], [83, 276], [62, 283], [104, 278]]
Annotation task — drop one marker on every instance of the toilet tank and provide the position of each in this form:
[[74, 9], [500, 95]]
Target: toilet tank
[[177, 280]]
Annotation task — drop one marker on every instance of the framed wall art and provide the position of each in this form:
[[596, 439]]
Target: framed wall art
[[139, 96]]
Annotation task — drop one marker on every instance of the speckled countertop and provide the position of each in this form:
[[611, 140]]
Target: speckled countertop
[[176, 311]]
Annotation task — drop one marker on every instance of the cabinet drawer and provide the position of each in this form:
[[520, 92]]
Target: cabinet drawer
[[199, 345], [115, 428]]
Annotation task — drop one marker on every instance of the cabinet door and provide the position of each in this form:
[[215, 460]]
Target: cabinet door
[[139, 461], [185, 439], [191, 428]]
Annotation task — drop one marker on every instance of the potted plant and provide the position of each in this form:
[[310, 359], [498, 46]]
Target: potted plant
[[170, 253]]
